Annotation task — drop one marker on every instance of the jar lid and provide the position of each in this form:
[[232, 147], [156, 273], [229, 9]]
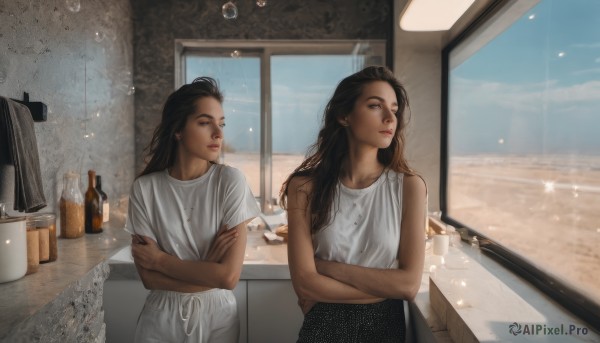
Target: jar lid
[[40, 219], [4, 218], [11, 219]]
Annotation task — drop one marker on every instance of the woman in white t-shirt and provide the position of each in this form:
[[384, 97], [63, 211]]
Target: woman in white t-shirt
[[188, 216], [356, 217]]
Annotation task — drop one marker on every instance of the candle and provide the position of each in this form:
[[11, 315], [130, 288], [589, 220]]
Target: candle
[[440, 244]]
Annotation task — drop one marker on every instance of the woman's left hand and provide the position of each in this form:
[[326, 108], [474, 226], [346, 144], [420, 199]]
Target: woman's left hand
[[145, 251]]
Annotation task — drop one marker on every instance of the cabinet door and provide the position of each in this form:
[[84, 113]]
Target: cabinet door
[[273, 312], [241, 297]]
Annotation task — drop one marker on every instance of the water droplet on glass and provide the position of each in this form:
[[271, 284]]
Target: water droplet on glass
[[229, 10], [261, 3], [131, 90], [236, 54], [73, 5], [99, 36]]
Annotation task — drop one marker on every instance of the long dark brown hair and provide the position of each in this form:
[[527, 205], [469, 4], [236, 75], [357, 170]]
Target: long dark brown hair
[[324, 163], [179, 105]]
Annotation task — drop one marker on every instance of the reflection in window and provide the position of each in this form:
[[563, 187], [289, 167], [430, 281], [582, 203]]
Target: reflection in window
[[239, 80], [302, 85], [275, 94], [523, 146]]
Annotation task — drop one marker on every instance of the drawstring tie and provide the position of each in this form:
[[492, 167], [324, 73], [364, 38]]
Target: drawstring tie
[[193, 306]]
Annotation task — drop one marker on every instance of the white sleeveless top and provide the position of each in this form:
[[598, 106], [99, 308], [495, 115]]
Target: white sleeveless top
[[365, 225]]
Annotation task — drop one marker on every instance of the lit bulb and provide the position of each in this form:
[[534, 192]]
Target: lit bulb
[[73, 5], [229, 10], [261, 3], [99, 36], [236, 54]]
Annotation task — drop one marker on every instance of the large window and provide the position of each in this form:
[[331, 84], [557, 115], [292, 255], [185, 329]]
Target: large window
[[523, 148], [275, 94]]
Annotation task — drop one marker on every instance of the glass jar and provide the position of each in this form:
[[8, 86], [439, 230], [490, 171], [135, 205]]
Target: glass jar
[[45, 223], [33, 247], [71, 208]]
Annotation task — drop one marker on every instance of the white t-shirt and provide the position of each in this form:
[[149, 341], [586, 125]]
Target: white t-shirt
[[184, 216], [365, 226]]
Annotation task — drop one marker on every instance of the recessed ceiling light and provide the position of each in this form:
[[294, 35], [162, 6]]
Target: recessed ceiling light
[[433, 15]]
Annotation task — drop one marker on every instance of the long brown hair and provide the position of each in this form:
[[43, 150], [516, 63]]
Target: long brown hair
[[323, 165], [179, 105]]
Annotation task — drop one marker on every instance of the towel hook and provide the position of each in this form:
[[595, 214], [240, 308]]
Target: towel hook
[[39, 110]]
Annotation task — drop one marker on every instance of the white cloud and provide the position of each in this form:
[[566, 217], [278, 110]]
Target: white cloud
[[594, 45], [586, 71], [526, 98]]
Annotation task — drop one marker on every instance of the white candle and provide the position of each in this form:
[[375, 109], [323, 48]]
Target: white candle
[[440, 244]]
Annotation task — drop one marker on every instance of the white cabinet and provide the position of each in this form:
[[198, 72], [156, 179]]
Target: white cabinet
[[267, 309], [273, 312], [241, 297]]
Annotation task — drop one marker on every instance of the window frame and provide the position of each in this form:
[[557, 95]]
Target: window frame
[[264, 50], [496, 17]]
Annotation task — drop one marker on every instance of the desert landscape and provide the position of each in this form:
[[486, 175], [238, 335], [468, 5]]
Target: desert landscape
[[545, 208]]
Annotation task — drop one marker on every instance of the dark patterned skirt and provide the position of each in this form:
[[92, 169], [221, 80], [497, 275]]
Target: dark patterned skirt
[[381, 322]]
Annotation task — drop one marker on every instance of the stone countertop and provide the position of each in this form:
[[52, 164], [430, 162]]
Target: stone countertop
[[23, 298], [473, 295], [262, 261]]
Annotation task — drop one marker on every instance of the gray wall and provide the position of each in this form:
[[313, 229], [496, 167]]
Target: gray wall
[[55, 55], [418, 63], [158, 23]]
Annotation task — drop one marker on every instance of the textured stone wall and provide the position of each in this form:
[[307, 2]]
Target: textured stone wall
[[76, 315], [158, 23], [79, 63]]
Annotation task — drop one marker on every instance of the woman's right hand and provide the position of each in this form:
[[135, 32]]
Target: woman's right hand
[[224, 240]]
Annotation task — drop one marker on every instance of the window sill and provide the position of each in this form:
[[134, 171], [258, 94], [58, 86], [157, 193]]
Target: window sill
[[472, 298]]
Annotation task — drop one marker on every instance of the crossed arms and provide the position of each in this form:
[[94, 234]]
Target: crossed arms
[[222, 268], [326, 281]]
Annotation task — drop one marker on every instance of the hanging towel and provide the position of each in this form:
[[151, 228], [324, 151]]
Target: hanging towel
[[18, 139]]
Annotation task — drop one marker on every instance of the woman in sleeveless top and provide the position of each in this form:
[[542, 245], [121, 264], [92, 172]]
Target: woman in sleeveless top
[[188, 216], [356, 217]]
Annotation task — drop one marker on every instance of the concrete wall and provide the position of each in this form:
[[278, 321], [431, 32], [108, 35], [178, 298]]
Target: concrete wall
[[79, 63], [159, 23]]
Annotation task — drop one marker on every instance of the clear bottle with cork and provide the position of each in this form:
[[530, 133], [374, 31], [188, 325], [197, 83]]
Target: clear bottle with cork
[[71, 208], [105, 205], [93, 206]]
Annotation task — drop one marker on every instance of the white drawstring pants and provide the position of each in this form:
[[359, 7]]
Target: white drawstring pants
[[209, 316]]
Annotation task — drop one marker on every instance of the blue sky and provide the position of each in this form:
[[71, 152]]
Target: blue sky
[[533, 89], [301, 87]]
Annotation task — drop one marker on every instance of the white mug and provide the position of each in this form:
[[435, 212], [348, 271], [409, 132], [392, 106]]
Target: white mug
[[440, 244]]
